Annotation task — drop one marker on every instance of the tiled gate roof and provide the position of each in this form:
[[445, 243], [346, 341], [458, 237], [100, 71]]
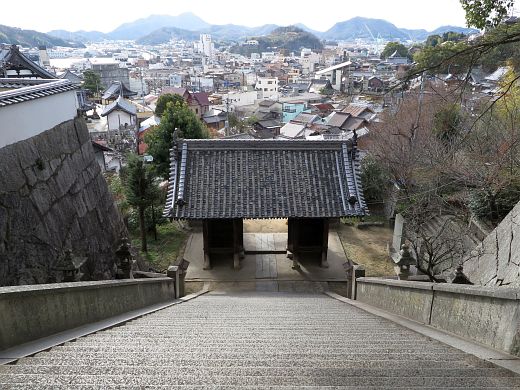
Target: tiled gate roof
[[213, 179]]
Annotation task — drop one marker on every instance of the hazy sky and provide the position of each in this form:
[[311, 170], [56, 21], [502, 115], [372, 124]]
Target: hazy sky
[[105, 15]]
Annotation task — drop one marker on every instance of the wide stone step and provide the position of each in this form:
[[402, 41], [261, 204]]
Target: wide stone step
[[258, 348], [242, 380], [290, 356], [248, 343], [206, 387], [166, 361], [181, 370]]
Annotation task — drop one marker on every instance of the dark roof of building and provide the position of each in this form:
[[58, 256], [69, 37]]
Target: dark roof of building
[[305, 117], [120, 104], [32, 90], [101, 147], [174, 90], [338, 119], [353, 123], [114, 90], [356, 110], [12, 59], [234, 178], [201, 98], [71, 76], [266, 103], [268, 123]]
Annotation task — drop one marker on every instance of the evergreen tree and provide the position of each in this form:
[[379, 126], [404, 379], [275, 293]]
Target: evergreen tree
[[91, 81], [140, 191], [177, 115]]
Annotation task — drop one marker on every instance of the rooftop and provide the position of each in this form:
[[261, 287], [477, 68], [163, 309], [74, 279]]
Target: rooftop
[[234, 178], [20, 90]]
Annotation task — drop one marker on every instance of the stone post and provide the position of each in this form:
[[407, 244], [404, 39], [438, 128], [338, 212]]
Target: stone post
[[125, 258], [173, 272]]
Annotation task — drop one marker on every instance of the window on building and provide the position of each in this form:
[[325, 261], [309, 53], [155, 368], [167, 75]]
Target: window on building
[[270, 82], [265, 89]]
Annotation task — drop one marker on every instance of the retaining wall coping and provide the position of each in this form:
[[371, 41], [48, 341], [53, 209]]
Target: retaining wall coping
[[33, 289], [493, 292], [397, 283]]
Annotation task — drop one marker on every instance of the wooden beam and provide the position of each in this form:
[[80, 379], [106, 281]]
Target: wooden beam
[[236, 243], [325, 244], [205, 239]]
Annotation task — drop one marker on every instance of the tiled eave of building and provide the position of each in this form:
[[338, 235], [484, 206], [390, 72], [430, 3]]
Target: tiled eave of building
[[19, 91]]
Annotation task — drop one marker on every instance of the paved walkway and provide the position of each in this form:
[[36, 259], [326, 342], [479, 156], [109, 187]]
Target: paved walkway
[[270, 261], [256, 341]]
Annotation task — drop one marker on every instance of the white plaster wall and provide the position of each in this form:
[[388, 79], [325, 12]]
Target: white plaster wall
[[25, 120], [240, 98], [116, 117]]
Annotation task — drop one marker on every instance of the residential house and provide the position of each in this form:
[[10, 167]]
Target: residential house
[[198, 102], [266, 128], [146, 126], [375, 84], [121, 114], [268, 86], [215, 120], [292, 109], [396, 59], [99, 153], [268, 109], [359, 111], [293, 130], [319, 85]]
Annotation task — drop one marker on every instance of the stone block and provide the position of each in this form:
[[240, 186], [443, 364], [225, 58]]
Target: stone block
[[3, 228], [26, 153], [486, 318], [81, 131], [12, 178], [42, 197], [409, 299], [30, 177], [32, 312], [66, 176]]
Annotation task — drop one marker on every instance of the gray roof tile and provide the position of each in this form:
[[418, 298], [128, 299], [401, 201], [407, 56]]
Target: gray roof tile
[[213, 179]]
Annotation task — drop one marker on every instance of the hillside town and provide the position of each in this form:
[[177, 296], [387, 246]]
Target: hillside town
[[196, 205]]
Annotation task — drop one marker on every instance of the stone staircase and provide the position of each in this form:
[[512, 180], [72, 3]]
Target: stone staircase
[[256, 340]]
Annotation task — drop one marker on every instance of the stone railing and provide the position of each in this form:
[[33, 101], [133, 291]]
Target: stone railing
[[31, 312], [487, 315]]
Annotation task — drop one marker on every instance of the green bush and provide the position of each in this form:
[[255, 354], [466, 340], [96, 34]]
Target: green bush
[[494, 206]]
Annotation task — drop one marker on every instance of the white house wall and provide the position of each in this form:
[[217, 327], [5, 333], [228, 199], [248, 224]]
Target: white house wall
[[24, 120], [117, 117]]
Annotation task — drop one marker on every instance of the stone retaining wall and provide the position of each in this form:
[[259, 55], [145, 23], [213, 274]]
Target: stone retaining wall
[[496, 262], [53, 196], [31, 312], [490, 316]]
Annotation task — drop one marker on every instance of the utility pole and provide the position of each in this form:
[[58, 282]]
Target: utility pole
[[226, 126]]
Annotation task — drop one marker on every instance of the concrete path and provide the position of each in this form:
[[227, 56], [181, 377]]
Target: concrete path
[[275, 266], [265, 242], [256, 341], [266, 266]]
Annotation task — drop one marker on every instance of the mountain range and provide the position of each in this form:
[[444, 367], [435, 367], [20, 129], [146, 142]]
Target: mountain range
[[156, 29], [31, 38]]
